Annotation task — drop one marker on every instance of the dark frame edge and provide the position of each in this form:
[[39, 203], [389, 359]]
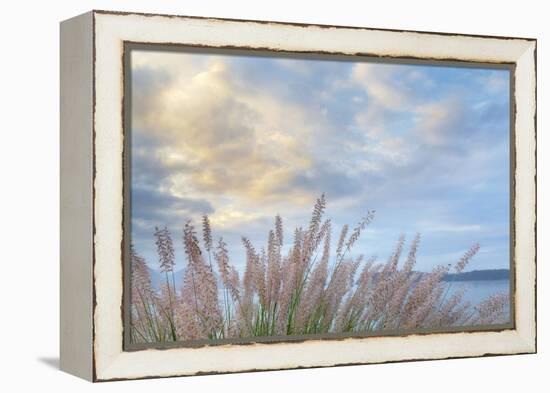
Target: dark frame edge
[[94, 172], [535, 120], [128, 46]]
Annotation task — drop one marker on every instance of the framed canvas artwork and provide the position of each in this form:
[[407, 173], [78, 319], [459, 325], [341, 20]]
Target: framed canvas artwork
[[246, 195]]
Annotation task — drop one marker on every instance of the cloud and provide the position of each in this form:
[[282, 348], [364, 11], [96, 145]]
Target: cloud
[[382, 95], [381, 85], [439, 122], [226, 138], [452, 228], [151, 207], [242, 139], [422, 121], [394, 151], [157, 205], [392, 94], [495, 82]]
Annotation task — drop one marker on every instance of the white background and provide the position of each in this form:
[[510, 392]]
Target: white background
[[29, 204]]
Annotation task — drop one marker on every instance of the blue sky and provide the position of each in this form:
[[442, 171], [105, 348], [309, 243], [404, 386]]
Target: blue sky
[[243, 138]]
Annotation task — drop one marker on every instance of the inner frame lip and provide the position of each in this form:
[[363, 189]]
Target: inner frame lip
[[247, 51]]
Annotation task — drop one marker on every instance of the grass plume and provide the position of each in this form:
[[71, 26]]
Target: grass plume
[[306, 290]]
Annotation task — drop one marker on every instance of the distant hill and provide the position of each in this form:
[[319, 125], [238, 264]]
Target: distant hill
[[479, 275], [475, 275]]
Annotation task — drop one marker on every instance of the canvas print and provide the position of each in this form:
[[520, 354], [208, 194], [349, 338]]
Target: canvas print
[[277, 196]]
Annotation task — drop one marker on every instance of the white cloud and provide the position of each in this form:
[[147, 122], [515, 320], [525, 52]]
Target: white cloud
[[496, 81], [381, 85], [394, 150], [452, 228], [230, 143], [436, 122]]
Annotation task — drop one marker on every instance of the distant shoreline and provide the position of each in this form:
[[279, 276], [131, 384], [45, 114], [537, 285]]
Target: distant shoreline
[[474, 275], [479, 275]]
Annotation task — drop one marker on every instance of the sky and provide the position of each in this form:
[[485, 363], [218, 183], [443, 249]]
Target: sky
[[243, 138]]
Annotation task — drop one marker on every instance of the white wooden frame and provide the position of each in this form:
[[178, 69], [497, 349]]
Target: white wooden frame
[[92, 195]]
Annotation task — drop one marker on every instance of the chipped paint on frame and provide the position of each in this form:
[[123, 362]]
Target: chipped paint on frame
[[110, 360]]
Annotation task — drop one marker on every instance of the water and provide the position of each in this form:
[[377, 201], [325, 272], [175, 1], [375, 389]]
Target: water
[[477, 291]]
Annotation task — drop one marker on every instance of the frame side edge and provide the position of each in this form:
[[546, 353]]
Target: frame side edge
[[76, 124], [526, 200]]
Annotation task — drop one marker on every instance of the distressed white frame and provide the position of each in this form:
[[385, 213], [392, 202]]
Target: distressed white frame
[[110, 30]]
